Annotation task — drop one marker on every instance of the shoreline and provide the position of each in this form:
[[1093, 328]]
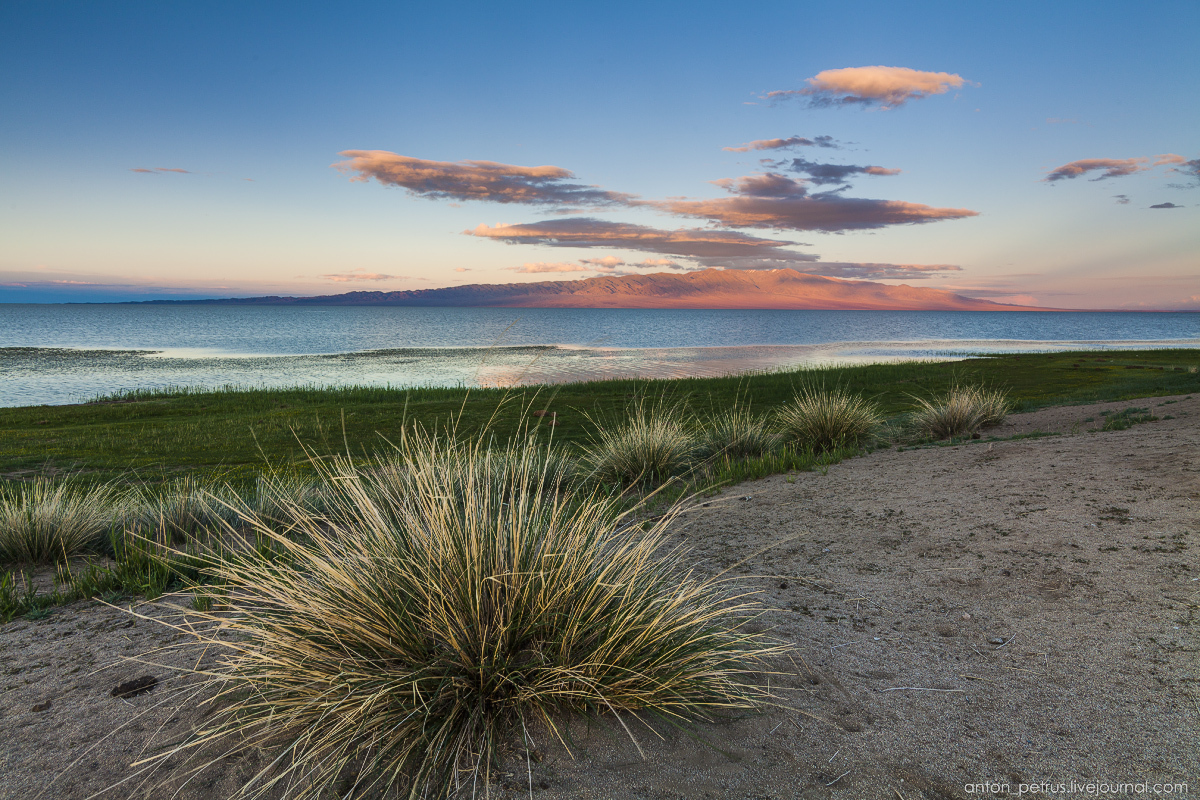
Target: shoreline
[[69, 376]]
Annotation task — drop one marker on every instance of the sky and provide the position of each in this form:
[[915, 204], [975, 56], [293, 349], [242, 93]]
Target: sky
[[1027, 152]]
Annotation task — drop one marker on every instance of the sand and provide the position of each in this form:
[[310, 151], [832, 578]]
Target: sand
[[1021, 611]]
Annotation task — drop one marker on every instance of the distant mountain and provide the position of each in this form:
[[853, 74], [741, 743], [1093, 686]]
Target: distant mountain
[[710, 288]]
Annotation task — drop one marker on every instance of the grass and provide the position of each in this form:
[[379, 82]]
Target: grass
[[823, 419], [736, 433], [959, 412], [44, 521], [648, 445], [159, 436], [1127, 418], [410, 635]]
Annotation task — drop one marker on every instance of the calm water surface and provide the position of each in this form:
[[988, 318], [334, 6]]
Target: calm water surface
[[69, 353]]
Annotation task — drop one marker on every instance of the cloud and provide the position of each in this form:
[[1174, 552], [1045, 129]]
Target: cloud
[[607, 262], [771, 200], [476, 180], [359, 275], [1122, 199], [823, 174], [157, 170], [551, 266], [462, 269], [701, 248], [1166, 205], [692, 243], [887, 87], [1190, 170], [1118, 167], [784, 144], [859, 270]]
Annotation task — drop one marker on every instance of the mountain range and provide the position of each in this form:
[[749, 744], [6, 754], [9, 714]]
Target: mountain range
[[710, 288]]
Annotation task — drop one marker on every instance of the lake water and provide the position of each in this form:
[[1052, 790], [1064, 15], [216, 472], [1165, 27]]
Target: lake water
[[57, 354]]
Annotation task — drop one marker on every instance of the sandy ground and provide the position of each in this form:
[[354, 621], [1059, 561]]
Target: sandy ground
[[1013, 611]]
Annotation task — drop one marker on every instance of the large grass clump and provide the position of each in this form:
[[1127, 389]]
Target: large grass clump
[[649, 445], [44, 521], [962, 411], [434, 616], [824, 420]]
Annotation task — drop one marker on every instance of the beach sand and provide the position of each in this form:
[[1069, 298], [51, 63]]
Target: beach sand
[[1017, 611]]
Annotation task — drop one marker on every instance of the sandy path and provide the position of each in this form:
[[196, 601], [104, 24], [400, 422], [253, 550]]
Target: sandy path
[[1046, 587]]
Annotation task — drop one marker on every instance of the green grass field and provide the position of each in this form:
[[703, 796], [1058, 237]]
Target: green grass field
[[151, 437]]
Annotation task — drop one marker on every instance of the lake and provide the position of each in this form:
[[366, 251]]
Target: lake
[[54, 354]]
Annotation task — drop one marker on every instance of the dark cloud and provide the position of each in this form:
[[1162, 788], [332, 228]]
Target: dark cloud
[[872, 271], [785, 144], [1191, 171], [1122, 199], [825, 174], [691, 243], [1166, 205], [700, 247], [477, 180], [887, 87], [772, 200]]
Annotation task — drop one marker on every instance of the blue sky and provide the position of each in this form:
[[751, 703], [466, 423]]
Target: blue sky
[[256, 102]]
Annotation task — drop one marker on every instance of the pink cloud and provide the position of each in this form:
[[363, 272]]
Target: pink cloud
[[607, 262], [476, 180], [784, 144], [1111, 167], [887, 87]]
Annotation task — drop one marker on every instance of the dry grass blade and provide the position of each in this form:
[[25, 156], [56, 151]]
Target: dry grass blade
[[410, 631], [826, 419]]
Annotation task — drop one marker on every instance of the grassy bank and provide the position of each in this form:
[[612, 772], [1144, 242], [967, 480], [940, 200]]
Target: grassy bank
[[233, 435]]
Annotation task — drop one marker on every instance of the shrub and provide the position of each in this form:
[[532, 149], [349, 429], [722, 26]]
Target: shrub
[[648, 447], [736, 433], [406, 636], [962, 410], [825, 420], [43, 521]]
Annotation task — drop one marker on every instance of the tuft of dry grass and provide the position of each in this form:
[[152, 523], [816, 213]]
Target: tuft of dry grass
[[649, 446], [410, 634], [961, 411], [45, 521], [736, 433], [827, 419]]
